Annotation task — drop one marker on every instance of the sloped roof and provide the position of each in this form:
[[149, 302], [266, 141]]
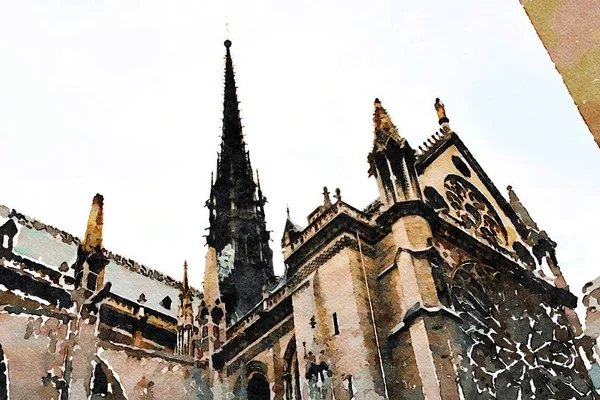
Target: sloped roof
[[57, 250]]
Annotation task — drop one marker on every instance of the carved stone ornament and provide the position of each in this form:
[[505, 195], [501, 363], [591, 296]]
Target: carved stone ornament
[[474, 212], [225, 262]]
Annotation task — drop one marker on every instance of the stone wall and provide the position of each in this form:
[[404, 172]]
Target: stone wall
[[146, 375], [342, 360], [34, 348]]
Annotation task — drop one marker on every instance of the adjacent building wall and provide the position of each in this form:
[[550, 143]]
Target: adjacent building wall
[[570, 31]]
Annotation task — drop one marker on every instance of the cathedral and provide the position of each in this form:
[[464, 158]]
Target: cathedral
[[441, 288]]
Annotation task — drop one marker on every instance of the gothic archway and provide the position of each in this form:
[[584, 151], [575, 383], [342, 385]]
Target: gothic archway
[[258, 387], [291, 372], [104, 384]]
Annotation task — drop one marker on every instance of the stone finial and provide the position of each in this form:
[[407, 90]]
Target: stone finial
[[443, 120], [326, 198], [185, 283], [93, 232], [384, 128], [440, 109], [338, 194], [520, 209]]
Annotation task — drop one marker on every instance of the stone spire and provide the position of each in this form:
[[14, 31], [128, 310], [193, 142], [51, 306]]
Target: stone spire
[[291, 231], [185, 316], [261, 200], [520, 210], [384, 128], [185, 286], [93, 232], [392, 161], [237, 223], [91, 261], [232, 124]]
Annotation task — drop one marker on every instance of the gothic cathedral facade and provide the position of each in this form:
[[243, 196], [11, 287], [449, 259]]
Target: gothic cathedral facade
[[441, 288]]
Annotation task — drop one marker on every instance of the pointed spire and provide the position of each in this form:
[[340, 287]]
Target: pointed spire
[[290, 233], [232, 124], [392, 161], [185, 284], [291, 226], [259, 190], [237, 218], [520, 209], [384, 127], [93, 232]]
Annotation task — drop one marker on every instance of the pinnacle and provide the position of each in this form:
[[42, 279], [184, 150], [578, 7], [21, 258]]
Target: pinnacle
[[384, 128], [185, 283], [93, 232]]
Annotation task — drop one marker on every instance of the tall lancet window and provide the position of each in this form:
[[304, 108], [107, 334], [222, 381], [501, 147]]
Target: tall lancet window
[[100, 383]]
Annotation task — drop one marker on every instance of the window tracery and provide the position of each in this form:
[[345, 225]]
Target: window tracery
[[517, 345], [472, 211]]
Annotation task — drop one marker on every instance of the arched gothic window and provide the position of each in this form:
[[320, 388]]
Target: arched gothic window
[[291, 372], [253, 384], [258, 387], [100, 383], [104, 384]]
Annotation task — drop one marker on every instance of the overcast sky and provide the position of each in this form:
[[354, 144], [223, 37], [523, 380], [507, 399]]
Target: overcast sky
[[125, 99]]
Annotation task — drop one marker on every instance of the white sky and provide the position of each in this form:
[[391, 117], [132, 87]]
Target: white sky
[[125, 99]]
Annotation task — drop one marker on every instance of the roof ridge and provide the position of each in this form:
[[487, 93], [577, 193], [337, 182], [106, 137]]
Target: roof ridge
[[39, 225], [68, 238], [148, 272]]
